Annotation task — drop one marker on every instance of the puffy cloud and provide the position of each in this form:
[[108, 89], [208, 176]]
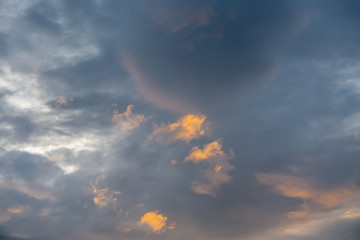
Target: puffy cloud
[[211, 150], [128, 120], [217, 169], [185, 129], [103, 196], [314, 196], [154, 220]]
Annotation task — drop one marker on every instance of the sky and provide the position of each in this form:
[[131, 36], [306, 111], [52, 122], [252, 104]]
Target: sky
[[179, 119]]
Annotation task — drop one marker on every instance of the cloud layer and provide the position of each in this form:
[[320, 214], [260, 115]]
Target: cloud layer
[[179, 120]]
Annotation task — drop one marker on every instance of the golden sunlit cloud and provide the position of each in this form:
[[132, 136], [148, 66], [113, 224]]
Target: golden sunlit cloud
[[103, 196], [172, 226], [211, 150], [314, 197], [155, 220], [355, 213], [63, 101], [217, 170], [185, 129], [128, 120]]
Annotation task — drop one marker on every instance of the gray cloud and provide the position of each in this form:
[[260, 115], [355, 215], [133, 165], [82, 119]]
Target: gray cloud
[[269, 76]]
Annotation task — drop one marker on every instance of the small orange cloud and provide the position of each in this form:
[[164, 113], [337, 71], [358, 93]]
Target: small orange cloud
[[172, 226], [16, 210], [217, 171], [211, 150], [154, 220], [185, 129], [103, 196], [128, 120], [218, 168], [63, 101], [355, 213], [314, 197]]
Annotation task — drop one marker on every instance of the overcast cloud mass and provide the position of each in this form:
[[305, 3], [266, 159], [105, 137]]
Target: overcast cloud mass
[[179, 119]]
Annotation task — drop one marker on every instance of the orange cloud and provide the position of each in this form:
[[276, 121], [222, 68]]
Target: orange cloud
[[185, 129], [16, 210], [63, 101], [154, 220], [128, 120], [211, 150], [103, 196], [355, 213], [217, 170], [314, 197]]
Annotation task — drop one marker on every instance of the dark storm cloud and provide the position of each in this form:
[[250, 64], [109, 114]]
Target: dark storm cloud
[[264, 73]]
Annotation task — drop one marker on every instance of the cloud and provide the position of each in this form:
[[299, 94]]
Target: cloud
[[185, 129], [154, 220], [26, 188], [314, 197], [17, 210], [103, 196], [178, 15], [354, 213], [123, 229], [63, 101], [217, 170], [128, 120], [211, 150]]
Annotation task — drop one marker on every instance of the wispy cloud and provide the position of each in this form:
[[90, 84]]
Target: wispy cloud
[[128, 120], [314, 196]]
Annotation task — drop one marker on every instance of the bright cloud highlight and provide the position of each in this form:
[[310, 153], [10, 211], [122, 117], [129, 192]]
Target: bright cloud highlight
[[185, 129], [217, 170], [154, 220]]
